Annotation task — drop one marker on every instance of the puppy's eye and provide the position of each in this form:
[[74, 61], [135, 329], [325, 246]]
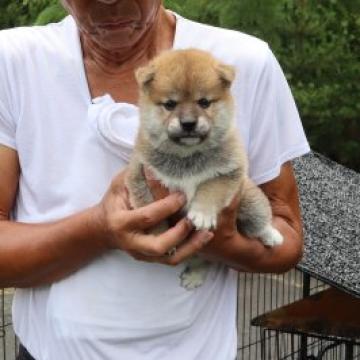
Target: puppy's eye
[[170, 105], [204, 103]]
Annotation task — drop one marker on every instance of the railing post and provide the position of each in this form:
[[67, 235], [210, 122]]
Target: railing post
[[303, 338], [349, 351]]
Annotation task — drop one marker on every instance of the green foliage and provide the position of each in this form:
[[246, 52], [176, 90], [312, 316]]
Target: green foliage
[[320, 52], [29, 12], [317, 43], [52, 13], [11, 14], [256, 17]]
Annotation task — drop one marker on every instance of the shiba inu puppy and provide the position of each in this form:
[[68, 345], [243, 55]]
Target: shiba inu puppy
[[187, 138]]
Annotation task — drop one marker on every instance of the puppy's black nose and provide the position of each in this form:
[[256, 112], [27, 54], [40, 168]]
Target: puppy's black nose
[[188, 124]]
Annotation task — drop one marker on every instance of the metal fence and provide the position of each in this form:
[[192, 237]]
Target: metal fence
[[258, 293]]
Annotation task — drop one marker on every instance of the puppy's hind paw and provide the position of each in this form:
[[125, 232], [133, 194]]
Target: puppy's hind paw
[[193, 278], [271, 237], [201, 220]]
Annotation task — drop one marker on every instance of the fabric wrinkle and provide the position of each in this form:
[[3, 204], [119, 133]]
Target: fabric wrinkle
[[115, 123]]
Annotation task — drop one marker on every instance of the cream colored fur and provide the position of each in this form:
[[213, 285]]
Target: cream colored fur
[[207, 162]]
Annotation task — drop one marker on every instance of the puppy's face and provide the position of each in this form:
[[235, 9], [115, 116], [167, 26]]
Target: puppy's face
[[185, 100]]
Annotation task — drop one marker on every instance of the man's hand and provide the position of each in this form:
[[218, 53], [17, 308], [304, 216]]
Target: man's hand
[[127, 228], [225, 233]]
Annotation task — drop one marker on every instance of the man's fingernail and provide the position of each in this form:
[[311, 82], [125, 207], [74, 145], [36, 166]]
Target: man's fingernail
[[207, 237], [149, 174], [181, 197], [189, 223]]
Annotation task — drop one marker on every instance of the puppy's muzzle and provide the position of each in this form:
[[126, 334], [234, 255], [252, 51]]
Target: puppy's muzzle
[[188, 130]]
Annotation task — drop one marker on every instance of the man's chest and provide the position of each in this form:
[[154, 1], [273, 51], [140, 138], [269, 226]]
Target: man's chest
[[122, 88]]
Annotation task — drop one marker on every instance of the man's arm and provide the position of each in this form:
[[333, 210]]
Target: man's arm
[[34, 254], [251, 255], [39, 254]]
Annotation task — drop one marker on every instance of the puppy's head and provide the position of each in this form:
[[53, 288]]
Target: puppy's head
[[185, 100]]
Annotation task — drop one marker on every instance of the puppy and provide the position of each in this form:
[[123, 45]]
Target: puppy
[[187, 138]]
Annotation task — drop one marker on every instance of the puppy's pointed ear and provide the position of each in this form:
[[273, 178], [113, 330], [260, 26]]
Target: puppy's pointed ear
[[227, 74], [144, 76]]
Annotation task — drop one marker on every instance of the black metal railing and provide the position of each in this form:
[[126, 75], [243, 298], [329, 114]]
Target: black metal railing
[[260, 293]]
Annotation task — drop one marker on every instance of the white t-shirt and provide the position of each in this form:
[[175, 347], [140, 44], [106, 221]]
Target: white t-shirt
[[70, 148]]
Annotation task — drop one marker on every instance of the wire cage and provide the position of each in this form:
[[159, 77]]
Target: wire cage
[[258, 293], [281, 346]]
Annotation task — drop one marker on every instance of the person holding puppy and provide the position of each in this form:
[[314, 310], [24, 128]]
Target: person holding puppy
[[92, 283]]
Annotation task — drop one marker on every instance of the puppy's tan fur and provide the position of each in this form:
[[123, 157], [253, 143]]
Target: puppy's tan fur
[[188, 139]]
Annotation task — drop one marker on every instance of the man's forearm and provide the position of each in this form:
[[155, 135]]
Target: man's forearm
[[250, 255], [38, 254]]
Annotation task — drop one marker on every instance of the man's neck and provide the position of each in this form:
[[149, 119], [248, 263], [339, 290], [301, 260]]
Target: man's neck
[[159, 37]]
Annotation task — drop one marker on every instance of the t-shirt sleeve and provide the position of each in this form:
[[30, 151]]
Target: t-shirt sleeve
[[7, 121], [276, 131], [7, 127]]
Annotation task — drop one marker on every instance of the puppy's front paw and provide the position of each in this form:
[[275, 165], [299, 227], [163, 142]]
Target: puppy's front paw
[[202, 219], [271, 237]]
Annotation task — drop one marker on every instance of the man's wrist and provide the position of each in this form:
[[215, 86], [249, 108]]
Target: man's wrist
[[237, 251], [98, 227], [250, 254]]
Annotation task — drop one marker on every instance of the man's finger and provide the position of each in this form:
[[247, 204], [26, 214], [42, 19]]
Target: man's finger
[[192, 246], [234, 204], [229, 214], [158, 190], [150, 215], [118, 182], [159, 245]]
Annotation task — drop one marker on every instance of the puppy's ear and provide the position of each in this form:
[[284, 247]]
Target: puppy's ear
[[144, 76], [227, 74]]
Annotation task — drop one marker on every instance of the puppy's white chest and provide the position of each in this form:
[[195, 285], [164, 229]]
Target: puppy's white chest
[[188, 185]]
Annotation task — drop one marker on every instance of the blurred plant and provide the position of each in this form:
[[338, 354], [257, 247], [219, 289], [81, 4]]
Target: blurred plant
[[29, 12], [320, 52], [52, 13]]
